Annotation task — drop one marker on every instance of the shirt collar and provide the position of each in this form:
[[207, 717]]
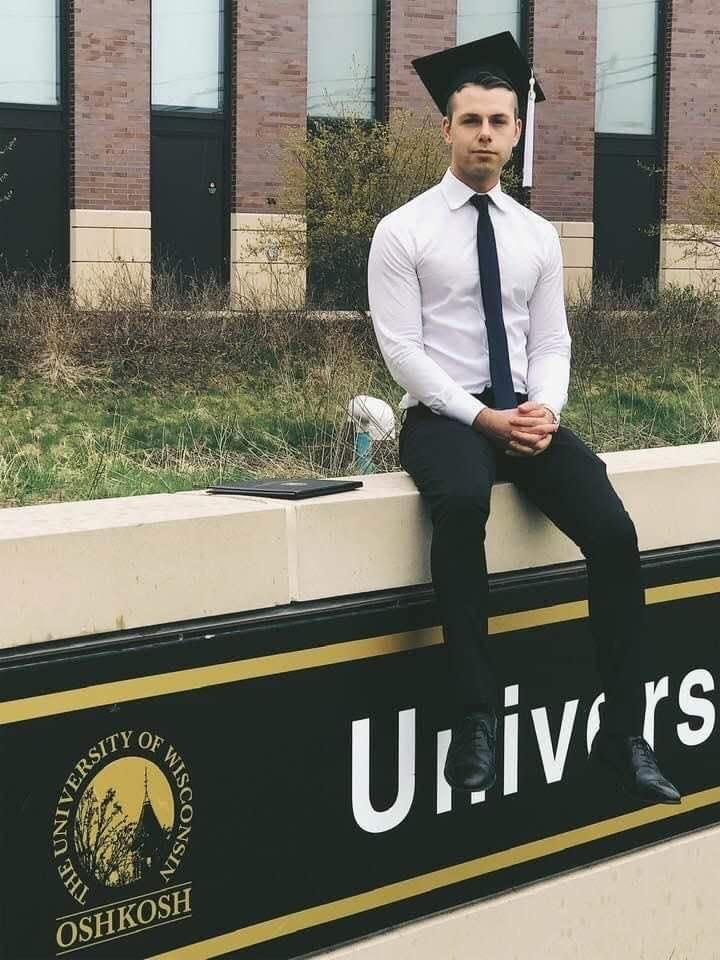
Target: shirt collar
[[457, 193]]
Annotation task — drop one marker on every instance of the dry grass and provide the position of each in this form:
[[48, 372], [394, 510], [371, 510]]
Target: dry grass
[[185, 393]]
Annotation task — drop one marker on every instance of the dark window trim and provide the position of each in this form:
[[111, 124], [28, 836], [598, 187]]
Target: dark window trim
[[21, 118], [381, 60], [32, 107], [662, 92], [526, 12], [629, 137], [194, 114]]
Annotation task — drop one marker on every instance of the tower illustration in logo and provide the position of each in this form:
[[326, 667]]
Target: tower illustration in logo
[[150, 839], [123, 822]]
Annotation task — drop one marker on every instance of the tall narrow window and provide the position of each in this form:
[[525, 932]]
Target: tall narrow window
[[626, 73], [29, 52], [187, 60], [482, 18], [341, 57]]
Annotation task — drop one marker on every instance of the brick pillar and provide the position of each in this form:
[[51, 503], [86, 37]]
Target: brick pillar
[[270, 64], [110, 153], [417, 27], [692, 129], [564, 36]]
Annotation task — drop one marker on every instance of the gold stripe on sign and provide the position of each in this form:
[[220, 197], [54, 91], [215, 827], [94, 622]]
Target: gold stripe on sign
[[179, 681], [683, 591], [435, 880]]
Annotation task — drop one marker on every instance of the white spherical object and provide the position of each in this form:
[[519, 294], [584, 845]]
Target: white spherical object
[[373, 416]]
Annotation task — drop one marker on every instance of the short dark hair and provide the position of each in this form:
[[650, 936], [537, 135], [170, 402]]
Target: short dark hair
[[489, 81]]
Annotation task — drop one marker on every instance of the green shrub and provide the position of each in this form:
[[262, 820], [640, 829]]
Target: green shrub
[[343, 177]]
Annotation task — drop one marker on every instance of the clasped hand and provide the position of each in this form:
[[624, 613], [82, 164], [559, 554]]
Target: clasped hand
[[525, 431]]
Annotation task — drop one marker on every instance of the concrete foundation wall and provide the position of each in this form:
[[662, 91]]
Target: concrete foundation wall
[[687, 264], [655, 904], [110, 256], [576, 240], [113, 564], [266, 268]]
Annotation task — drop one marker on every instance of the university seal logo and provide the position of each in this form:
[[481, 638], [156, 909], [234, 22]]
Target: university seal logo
[[121, 829]]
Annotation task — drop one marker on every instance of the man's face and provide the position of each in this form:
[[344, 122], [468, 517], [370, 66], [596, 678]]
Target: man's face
[[482, 133]]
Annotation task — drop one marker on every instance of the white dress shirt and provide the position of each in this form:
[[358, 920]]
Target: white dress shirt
[[426, 303]]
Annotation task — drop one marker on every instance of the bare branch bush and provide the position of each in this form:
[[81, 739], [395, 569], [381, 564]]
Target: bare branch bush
[[339, 180], [701, 232]]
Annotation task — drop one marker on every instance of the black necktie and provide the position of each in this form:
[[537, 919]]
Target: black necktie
[[500, 375]]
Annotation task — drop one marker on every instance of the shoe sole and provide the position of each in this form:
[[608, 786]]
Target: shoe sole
[[464, 789]]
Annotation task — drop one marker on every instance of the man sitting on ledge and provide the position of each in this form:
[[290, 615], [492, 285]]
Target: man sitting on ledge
[[466, 297]]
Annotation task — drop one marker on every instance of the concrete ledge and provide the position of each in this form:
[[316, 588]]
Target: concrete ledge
[[651, 905], [84, 568], [114, 219], [107, 565], [379, 537], [575, 228]]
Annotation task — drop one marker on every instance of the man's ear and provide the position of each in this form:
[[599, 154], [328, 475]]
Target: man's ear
[[446, 132], [518, 131]]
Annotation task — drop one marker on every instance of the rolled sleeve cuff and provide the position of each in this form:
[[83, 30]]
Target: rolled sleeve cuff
[[464, 407]]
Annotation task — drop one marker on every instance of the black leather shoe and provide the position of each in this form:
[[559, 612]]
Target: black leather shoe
[[470, 763], [633, 762]]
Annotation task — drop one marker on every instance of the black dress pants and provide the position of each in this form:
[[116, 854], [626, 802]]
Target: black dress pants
[[454, 468]]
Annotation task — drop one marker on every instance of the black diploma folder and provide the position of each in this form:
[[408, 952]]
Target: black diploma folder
[[286, 489]]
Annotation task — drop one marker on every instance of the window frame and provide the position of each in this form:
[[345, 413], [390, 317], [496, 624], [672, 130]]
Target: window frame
[[658, 112], [62, 35], [225, 64], [380, 91]]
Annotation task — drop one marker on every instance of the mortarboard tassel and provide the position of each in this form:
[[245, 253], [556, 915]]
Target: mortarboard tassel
[[529, 135]]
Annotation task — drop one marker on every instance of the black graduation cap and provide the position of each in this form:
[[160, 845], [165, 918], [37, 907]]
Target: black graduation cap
[[499, 55]]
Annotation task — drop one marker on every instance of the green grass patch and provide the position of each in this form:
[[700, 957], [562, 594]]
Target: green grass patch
[[75, 443]]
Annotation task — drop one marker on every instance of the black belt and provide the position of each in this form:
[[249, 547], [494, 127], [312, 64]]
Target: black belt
[[488, 397]]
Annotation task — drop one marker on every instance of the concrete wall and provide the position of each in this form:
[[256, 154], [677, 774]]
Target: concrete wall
[[119, 564], [110, 255], [650, 905], [264, 268], [687, 264]]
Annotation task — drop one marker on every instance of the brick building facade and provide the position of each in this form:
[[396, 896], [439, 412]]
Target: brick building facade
[[110, 135]]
